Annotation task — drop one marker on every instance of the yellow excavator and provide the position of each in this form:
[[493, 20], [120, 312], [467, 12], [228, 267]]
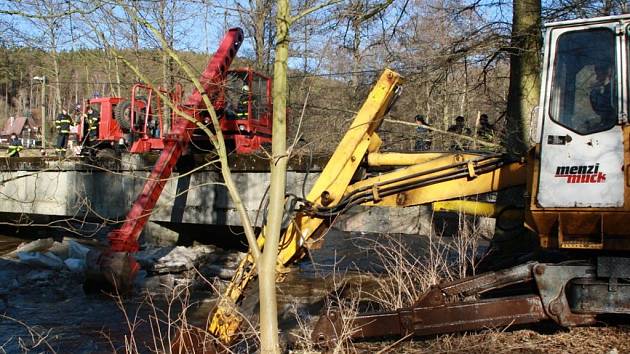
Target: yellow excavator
[[577, 199]]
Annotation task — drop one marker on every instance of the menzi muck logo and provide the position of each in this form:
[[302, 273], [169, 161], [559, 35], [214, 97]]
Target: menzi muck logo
[[581, 174]]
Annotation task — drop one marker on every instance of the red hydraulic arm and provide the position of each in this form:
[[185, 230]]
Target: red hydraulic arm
[[125, 239]]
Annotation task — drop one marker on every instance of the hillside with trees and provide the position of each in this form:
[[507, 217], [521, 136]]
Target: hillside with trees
[[454, 55]]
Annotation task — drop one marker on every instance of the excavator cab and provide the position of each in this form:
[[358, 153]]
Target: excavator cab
[[579, 184], [246, 110]]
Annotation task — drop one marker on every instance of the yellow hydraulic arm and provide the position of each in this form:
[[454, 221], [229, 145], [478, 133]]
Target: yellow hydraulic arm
[[330, 186], [442, 176], [426, 178]]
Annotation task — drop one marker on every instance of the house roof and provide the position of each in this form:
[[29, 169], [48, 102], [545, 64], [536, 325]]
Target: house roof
[[16, 125]]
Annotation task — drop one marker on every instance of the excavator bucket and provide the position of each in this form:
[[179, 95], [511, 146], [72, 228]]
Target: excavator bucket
[[110, 272]]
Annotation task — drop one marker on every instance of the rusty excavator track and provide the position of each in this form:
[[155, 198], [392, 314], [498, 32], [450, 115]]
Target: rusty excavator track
[[435, 312]]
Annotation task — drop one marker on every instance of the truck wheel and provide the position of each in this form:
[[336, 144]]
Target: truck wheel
[[122, 114]]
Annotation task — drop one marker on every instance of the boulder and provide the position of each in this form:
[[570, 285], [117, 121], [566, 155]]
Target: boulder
[[41, 245], [45, 260]]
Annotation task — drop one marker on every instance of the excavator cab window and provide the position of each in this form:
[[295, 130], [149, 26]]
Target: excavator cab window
[[584, 92], [260, 97]]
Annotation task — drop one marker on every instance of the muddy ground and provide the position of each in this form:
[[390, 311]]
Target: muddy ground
[[605, 339], [46, 309]]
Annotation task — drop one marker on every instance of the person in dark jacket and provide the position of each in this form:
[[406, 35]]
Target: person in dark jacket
[[62, 123], [15, 146], [485, 130], [602, 96], [92, 118], [459, 128], [242, 110]]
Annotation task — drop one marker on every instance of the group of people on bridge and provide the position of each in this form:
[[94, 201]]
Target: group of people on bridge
[[424, 136], [63, 123]]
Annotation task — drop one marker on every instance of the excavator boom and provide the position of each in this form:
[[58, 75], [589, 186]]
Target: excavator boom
[[331, 185], [429, 177]]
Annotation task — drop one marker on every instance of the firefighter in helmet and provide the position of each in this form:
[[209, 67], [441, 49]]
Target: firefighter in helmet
[[62, 123], [92, 118], [242, 111], [90, 125]]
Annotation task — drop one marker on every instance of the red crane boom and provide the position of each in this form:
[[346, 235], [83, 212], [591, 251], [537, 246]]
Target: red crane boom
[[125, 239]]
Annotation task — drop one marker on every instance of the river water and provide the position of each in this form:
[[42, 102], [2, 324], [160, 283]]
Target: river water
[[49, 312]]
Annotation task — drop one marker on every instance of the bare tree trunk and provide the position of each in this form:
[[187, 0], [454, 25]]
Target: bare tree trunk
[[166, 24], [6, 99], [428, 103], [22, 99], [260, 14], [356, 54], [87, 87], [75, 75], [445, 118], [267, 263], [524, 88], [118, 91], [268, 48], [109, 78], [135, 42], [464, 104], [30, 93], [523, 95], [55, 58], [306, 39]]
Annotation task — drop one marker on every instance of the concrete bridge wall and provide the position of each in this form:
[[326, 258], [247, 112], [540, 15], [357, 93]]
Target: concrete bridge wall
[[76, 189]]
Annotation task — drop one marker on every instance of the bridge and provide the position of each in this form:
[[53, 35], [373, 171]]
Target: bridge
[[87, 196]]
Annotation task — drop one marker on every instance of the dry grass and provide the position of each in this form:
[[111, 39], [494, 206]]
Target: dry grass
[[344, 298], [171, 329], [404, 274], [346, 308], [168, 323], [302, 335], [407, 273], [36, 339], [583, 340]]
